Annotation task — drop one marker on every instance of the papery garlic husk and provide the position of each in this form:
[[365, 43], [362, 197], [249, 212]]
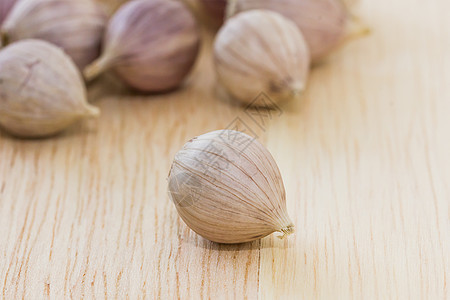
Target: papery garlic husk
[[5, 8], [322, 22], [261, 51], [77, 26], [41, 90], [227, 188], [150, 44]]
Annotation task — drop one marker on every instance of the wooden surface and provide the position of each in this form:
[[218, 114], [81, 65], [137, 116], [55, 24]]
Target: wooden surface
[[364, 156]]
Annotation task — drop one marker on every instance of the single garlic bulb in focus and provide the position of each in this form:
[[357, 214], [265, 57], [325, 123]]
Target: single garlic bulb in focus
[[76, 26], [227, 188], [5, 8], [261, 51], [151, 44], [41, 90], [322, 22]]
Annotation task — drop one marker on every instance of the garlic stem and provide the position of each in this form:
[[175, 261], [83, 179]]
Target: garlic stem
[[287, 230], [97, 67], [230, 10], [91, 111], [297, 88], [357, 29]]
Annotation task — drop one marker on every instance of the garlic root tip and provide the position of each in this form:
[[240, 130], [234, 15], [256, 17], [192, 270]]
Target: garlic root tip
[[97, 67], [230, 10], [287, 230], [357, 29], [92, 111], [297, 89]]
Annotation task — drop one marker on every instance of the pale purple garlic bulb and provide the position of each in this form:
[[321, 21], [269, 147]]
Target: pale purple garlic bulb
[[76, 26], [41, 90], [150, 44], [322, 22], [236, 196], [5, 8], [261, 51]]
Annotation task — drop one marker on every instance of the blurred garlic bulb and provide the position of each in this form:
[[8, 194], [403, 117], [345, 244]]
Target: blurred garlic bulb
[[322, 22], [111, 6], [150, 44], [227, 188], [261, 51], [41, 90], [5, 8], [76, 26]]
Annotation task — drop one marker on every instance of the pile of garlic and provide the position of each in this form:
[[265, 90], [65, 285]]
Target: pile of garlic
[[151, 45], [222, 190], [224, 184], [48, 44]]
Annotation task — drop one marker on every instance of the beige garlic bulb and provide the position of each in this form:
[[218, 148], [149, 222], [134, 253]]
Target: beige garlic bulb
[[41, 90], [227, 188], [261, 51], [5, 7], [150, 44], [322, 22], [77, 26]]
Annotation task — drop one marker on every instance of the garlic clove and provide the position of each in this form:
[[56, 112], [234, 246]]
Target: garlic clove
[[76, 26], [41, 90], [227, 188], [261, 51], [150, 44], [322, 22]]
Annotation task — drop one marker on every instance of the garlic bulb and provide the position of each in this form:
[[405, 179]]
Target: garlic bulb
[[227, 188], [261, 51], [5, 7], [41, 90], [76, 26], [322, 22], [150, 44]]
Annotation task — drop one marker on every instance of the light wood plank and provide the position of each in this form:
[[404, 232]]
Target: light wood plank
[[364, 157]]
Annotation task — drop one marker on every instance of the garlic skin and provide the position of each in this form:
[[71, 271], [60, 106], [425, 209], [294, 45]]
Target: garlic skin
[[261, 51], [76, 26], [5, 8], [41, 90], [150, 44], [322, 22], [227, 188]]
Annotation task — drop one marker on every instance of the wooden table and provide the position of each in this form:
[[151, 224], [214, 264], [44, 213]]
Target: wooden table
[[364, 156]]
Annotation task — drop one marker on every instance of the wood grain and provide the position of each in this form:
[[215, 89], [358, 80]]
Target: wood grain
[[364, 156]]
